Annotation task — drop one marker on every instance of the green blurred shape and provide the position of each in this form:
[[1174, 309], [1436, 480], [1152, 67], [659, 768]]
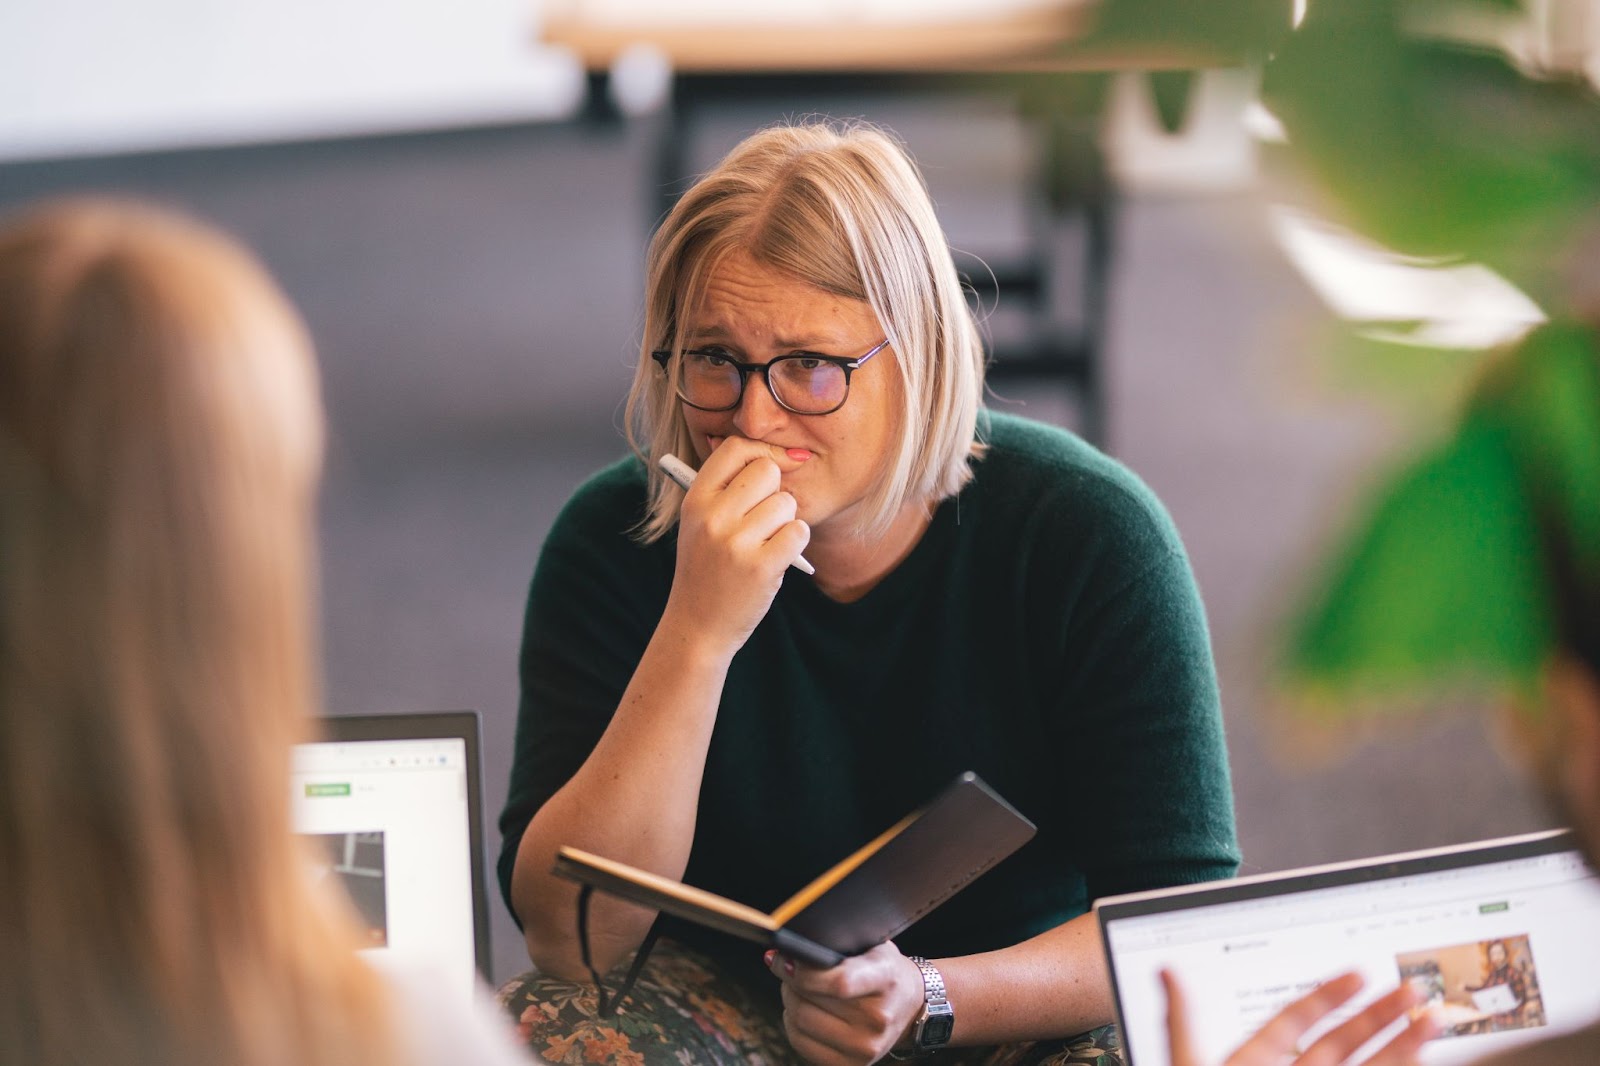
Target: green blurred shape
[[1548, 400], [1436, 148], [1215, 32], [1445, 583], [1441, 586]]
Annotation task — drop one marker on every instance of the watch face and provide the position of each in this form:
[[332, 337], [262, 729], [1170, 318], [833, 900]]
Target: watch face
[[936, 1030]]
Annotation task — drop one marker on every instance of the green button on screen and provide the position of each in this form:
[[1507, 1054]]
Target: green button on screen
[[338, 788]]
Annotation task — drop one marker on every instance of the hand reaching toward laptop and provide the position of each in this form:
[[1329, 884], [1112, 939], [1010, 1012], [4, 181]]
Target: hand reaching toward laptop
[[1274, 1043]]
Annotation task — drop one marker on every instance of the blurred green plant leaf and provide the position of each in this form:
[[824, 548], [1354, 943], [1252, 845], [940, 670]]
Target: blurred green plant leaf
[[1434, 148], [1444, 583], [1547, 401], [1441, 587]]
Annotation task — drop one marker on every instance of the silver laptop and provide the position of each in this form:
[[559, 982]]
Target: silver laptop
[[1501, 937], [395, 802]]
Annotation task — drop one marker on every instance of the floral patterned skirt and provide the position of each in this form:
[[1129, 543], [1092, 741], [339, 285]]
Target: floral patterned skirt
[[684, 1011]]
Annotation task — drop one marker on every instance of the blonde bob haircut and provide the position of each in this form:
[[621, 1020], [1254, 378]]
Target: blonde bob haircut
[[842, 208], [160, 438]]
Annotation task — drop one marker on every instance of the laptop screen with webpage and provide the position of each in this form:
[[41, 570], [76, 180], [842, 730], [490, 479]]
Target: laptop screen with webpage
[[1502, 938], [394, 803]]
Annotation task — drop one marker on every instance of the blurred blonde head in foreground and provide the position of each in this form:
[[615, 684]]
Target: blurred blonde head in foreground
[[160, 438]]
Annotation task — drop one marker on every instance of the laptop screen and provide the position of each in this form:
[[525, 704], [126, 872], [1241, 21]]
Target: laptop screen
[[1499, 937], [393, 803]]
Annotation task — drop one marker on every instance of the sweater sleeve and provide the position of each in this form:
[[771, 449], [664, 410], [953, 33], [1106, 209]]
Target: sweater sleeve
[[592, 606], [1137, 707]]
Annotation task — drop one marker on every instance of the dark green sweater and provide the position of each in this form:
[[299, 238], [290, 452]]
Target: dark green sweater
[[1046, 632]]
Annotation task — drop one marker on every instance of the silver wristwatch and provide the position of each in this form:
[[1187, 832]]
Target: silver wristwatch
[[937, 1022]]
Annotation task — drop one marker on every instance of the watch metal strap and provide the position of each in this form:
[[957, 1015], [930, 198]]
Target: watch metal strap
[[937, 1017], [932, 981]]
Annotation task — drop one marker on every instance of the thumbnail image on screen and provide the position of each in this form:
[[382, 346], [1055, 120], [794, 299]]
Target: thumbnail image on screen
[[1483, 986], [357, 860]]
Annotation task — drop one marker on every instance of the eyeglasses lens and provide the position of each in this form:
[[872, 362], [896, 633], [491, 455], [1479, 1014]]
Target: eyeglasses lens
[[808, 385], [709, 381]]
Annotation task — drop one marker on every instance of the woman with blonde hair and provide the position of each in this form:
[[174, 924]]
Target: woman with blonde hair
[[160, 439], [990, 594]]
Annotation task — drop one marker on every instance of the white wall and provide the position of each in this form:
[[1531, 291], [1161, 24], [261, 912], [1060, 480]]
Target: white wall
[[92, 76]]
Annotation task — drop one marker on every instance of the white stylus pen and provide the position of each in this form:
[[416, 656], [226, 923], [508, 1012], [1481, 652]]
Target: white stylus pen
[[683, 474]]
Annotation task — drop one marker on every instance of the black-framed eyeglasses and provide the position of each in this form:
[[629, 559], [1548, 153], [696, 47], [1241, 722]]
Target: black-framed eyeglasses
[[710, 379]]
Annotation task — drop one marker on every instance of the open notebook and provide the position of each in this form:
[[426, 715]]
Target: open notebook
[[1500, 936], [395, 804]]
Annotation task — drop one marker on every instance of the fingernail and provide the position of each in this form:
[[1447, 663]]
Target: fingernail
[[767, 958], [799, 455], [788, 967]]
